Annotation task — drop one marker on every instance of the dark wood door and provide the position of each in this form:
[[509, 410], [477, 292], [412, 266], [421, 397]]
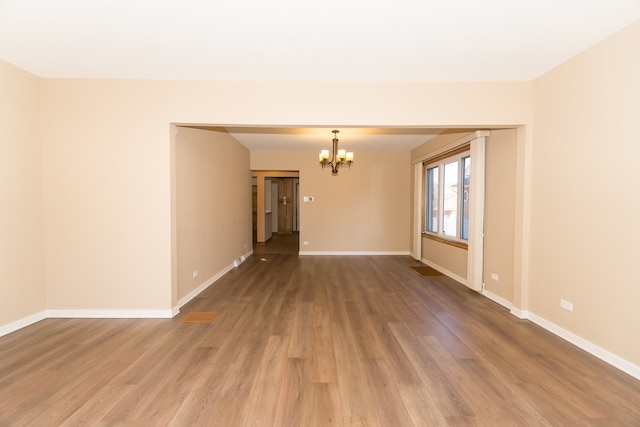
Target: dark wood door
[[285, 205], [254, 202]]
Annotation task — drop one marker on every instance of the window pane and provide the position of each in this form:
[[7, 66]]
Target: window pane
[[432, 200], [451, 201], [466, 164]]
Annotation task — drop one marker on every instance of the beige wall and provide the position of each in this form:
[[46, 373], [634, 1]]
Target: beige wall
[[500, 206], [448, 259], [106, 172], [362, 209], [108, 162], [22, 288], [213, 205], [585, 204]]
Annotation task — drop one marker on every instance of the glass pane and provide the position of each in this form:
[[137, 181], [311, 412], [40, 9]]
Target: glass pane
[[466, 164], [451, 203], [432, 200]]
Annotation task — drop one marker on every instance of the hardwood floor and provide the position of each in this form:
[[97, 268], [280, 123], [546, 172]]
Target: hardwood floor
[[279, 244], [312, 341]]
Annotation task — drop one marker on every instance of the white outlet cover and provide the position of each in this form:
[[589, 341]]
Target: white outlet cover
[[566, 305]]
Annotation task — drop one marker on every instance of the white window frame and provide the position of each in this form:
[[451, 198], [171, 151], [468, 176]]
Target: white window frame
[[440, 163]]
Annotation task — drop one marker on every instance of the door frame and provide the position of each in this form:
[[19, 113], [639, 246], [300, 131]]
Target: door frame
[[260, 176]]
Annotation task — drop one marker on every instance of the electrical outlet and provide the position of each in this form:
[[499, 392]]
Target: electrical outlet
[[195, 274], [494, 276], [305, 243], [566, 305]]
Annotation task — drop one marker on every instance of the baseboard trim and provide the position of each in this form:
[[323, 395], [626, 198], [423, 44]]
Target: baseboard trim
[[446, 272], [84, 314], [599, 352], [589, 347], [22, 323], [113, 314], [194, 293], [520, 314], [498, 299], [349, 253], [109, 314], [602, 354]]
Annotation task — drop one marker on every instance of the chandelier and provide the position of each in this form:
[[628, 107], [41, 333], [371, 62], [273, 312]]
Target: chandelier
[[338, 159]]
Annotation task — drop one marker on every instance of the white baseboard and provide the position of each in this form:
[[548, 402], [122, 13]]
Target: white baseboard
[[602, 354], [113, 314], [22, 323], [520, 314], [589, 347], [85, 314], [599, 352], [498, 299], [446, 272], [194, 293], [109, 314], [347, 253]]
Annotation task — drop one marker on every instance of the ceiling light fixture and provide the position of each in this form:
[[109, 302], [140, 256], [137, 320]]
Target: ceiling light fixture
[[339, 157]]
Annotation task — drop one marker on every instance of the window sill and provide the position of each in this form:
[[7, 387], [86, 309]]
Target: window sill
[[439, 239]]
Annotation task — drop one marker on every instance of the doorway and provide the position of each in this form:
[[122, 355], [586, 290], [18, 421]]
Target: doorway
[[276, 211]]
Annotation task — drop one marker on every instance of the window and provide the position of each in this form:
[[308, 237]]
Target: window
[[432, 200], [447, 187]]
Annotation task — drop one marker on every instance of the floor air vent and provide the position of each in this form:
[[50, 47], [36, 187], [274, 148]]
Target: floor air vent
[[239, 261]]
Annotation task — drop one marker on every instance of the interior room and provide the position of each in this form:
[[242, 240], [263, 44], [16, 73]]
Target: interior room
[[145, 173]]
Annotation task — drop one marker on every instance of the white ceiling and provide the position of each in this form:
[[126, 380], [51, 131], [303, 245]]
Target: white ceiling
[[318, 138], [297, 40]]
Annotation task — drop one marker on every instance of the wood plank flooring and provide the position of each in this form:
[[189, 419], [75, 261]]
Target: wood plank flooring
[[279, 244], [312, 341]]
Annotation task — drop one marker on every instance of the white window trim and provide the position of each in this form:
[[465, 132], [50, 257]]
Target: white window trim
[[475, 254], [416, 247], [440, 165]]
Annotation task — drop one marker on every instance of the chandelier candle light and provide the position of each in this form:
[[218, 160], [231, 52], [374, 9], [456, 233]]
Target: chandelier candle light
[[339, 157]]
